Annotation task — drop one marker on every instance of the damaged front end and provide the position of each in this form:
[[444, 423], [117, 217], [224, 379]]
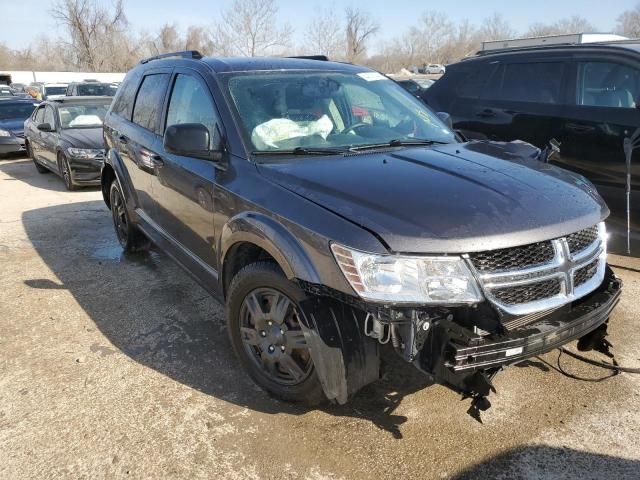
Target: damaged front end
[[537, 298]]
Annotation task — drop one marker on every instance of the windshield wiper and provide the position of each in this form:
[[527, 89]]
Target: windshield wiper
[[301, 151], [397, 142]]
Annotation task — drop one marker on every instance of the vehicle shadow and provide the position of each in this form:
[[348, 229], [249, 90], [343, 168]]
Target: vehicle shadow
[[153, 312], [539, 461], [15, 169]]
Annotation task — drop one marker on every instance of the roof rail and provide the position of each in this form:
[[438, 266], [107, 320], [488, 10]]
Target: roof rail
[[193, 54], [321, 58]]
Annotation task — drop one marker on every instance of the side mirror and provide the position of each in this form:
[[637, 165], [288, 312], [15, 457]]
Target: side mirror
[[190, 140], [45, 127], [446, 119]]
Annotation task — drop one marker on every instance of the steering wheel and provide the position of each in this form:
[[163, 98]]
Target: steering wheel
[[351, 128]]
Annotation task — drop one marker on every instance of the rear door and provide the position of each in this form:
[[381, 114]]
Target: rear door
[[136, 135], [523, 100], [603, 111], [183, 186]]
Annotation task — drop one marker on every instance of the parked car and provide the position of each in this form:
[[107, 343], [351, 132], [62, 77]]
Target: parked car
[[424, 82], [48, 91], [585, 96], [91, 88], [435, 68], [342, 214], [65, 136], [13, 112], [18, 87], [411, 86], [5, 91]]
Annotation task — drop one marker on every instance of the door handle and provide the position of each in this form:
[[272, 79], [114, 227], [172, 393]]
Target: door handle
[[486, 113], [149, 160], [580, 128], [123, 140]]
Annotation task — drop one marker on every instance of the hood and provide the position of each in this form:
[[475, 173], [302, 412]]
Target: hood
[[83, 137], [454, 198], [15, 125]]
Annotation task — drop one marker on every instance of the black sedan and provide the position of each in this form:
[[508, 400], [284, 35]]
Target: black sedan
[[13, 112], [65, 136]]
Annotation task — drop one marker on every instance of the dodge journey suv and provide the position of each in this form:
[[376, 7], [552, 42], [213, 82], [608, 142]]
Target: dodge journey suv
[[332, 212]]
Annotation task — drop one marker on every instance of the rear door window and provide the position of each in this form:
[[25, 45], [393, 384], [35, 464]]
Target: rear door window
[[607, 84], [149, 101], [539, 82]]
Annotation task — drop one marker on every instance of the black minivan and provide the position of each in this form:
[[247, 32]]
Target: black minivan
[[585, 96]]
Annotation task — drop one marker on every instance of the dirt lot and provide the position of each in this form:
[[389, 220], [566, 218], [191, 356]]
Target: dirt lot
[[119, 367]]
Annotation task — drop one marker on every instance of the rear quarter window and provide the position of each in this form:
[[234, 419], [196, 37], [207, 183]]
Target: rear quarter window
[[123, 103]]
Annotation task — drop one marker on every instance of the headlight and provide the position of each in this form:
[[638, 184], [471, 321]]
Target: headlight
[[85, 153], [5, 133], [404, 279]]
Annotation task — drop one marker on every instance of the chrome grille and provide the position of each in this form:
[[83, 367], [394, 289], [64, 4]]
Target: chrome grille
[[543, 275], [584, 274], [527, 293], [513, 258], [580, 240]]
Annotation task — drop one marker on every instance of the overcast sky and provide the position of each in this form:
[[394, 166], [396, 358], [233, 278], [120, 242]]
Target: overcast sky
[[24, 20]]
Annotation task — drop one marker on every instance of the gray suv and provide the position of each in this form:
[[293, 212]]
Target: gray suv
[[332, 213]]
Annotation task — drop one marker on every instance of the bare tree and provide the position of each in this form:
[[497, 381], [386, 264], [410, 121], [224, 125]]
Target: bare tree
[[495, 27], [359, 29], [168, 39], [628, 22], [251, 27], [199, 38], [325, 35], [90, 29], [575, 24]]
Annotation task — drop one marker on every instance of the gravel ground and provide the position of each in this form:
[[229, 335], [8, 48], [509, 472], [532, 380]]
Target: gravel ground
[[117, 366]]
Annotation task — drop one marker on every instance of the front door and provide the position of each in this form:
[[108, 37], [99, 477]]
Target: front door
[[48, 140], [183, 186], [604, 110]]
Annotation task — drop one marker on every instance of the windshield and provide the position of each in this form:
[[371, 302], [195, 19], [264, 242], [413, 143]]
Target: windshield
[[94, 89], [56, 90], [281, 111], [15, 111], [82, 116]]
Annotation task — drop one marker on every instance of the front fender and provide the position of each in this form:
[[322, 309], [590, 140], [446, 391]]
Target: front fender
[[274, 238]]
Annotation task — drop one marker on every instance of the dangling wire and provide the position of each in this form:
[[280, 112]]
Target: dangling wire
[[629, 145]]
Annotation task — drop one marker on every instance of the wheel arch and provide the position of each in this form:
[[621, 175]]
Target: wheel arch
[[252, 236], [113, 169]]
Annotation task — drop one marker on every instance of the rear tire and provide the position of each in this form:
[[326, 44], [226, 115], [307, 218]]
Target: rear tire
[[267, 340], [129, 236]]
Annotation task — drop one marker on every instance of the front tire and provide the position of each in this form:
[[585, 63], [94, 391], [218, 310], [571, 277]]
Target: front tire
[[263, 317], [130, 238], [65, 170]]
